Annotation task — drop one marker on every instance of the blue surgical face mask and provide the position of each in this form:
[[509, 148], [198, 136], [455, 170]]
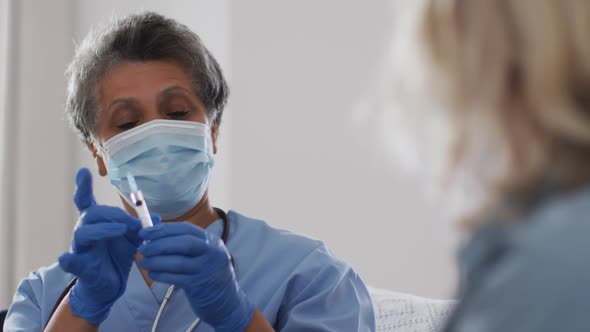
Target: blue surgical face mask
[[171, 161]]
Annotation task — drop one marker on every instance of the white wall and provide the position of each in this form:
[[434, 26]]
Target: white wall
[[6, 252], [38, 155], [301, 161]]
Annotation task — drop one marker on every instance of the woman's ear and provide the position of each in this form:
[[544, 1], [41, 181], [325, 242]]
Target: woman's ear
[[214, 132], [100, 164]]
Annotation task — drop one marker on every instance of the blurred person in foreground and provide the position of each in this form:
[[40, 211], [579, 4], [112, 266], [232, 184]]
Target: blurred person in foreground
[[502, 88]]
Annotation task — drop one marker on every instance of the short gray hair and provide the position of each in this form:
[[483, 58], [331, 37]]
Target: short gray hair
[[139, 37]]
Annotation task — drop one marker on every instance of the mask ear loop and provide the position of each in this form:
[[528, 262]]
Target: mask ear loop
[[100, 152]]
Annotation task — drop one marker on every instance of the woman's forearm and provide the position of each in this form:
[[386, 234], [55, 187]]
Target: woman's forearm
[[64, 320], [259, 323]]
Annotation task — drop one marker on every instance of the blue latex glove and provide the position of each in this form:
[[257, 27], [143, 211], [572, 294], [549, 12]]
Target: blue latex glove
[[197, 261], [103, 248]]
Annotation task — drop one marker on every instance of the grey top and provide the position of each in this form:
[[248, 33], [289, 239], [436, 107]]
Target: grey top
[[533, 275]]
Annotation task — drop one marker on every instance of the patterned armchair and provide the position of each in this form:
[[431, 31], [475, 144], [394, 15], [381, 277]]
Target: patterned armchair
[[397, 312]]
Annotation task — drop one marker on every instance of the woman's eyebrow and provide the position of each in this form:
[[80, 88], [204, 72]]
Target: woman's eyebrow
[[171, 90], [128, 101]]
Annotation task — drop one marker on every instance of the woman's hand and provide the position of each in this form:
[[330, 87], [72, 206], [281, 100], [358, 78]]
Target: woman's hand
[[197, 261], [103, 248]]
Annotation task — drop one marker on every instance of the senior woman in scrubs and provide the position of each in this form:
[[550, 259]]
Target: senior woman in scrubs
[[147, 98], [510, 82]]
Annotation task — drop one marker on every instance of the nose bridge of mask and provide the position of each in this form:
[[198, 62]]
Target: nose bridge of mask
[[154, 127]]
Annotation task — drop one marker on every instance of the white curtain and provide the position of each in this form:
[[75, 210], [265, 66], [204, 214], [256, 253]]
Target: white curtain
[[38, 150], [6, 262]]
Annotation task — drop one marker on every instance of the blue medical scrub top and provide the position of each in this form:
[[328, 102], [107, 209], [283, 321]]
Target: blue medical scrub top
[[532, 275], [296, 282]]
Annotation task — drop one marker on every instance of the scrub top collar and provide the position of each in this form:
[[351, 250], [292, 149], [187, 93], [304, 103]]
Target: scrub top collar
[[217, 227]]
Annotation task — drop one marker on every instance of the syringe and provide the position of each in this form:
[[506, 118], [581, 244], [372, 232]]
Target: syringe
[[139, 203]]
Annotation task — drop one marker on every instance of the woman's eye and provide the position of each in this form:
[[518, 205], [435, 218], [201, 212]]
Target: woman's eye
[[127, 125], [177, 114]]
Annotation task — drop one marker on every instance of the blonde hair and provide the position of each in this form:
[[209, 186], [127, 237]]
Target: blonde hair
[[522, 67]]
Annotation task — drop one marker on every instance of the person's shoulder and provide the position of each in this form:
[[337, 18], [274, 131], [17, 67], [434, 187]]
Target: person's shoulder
[[48, 275], [557, 232], [262, 237], [307, 277], [550, 243], [259, 229], [538, 264], [37, 293], [44, 280]]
